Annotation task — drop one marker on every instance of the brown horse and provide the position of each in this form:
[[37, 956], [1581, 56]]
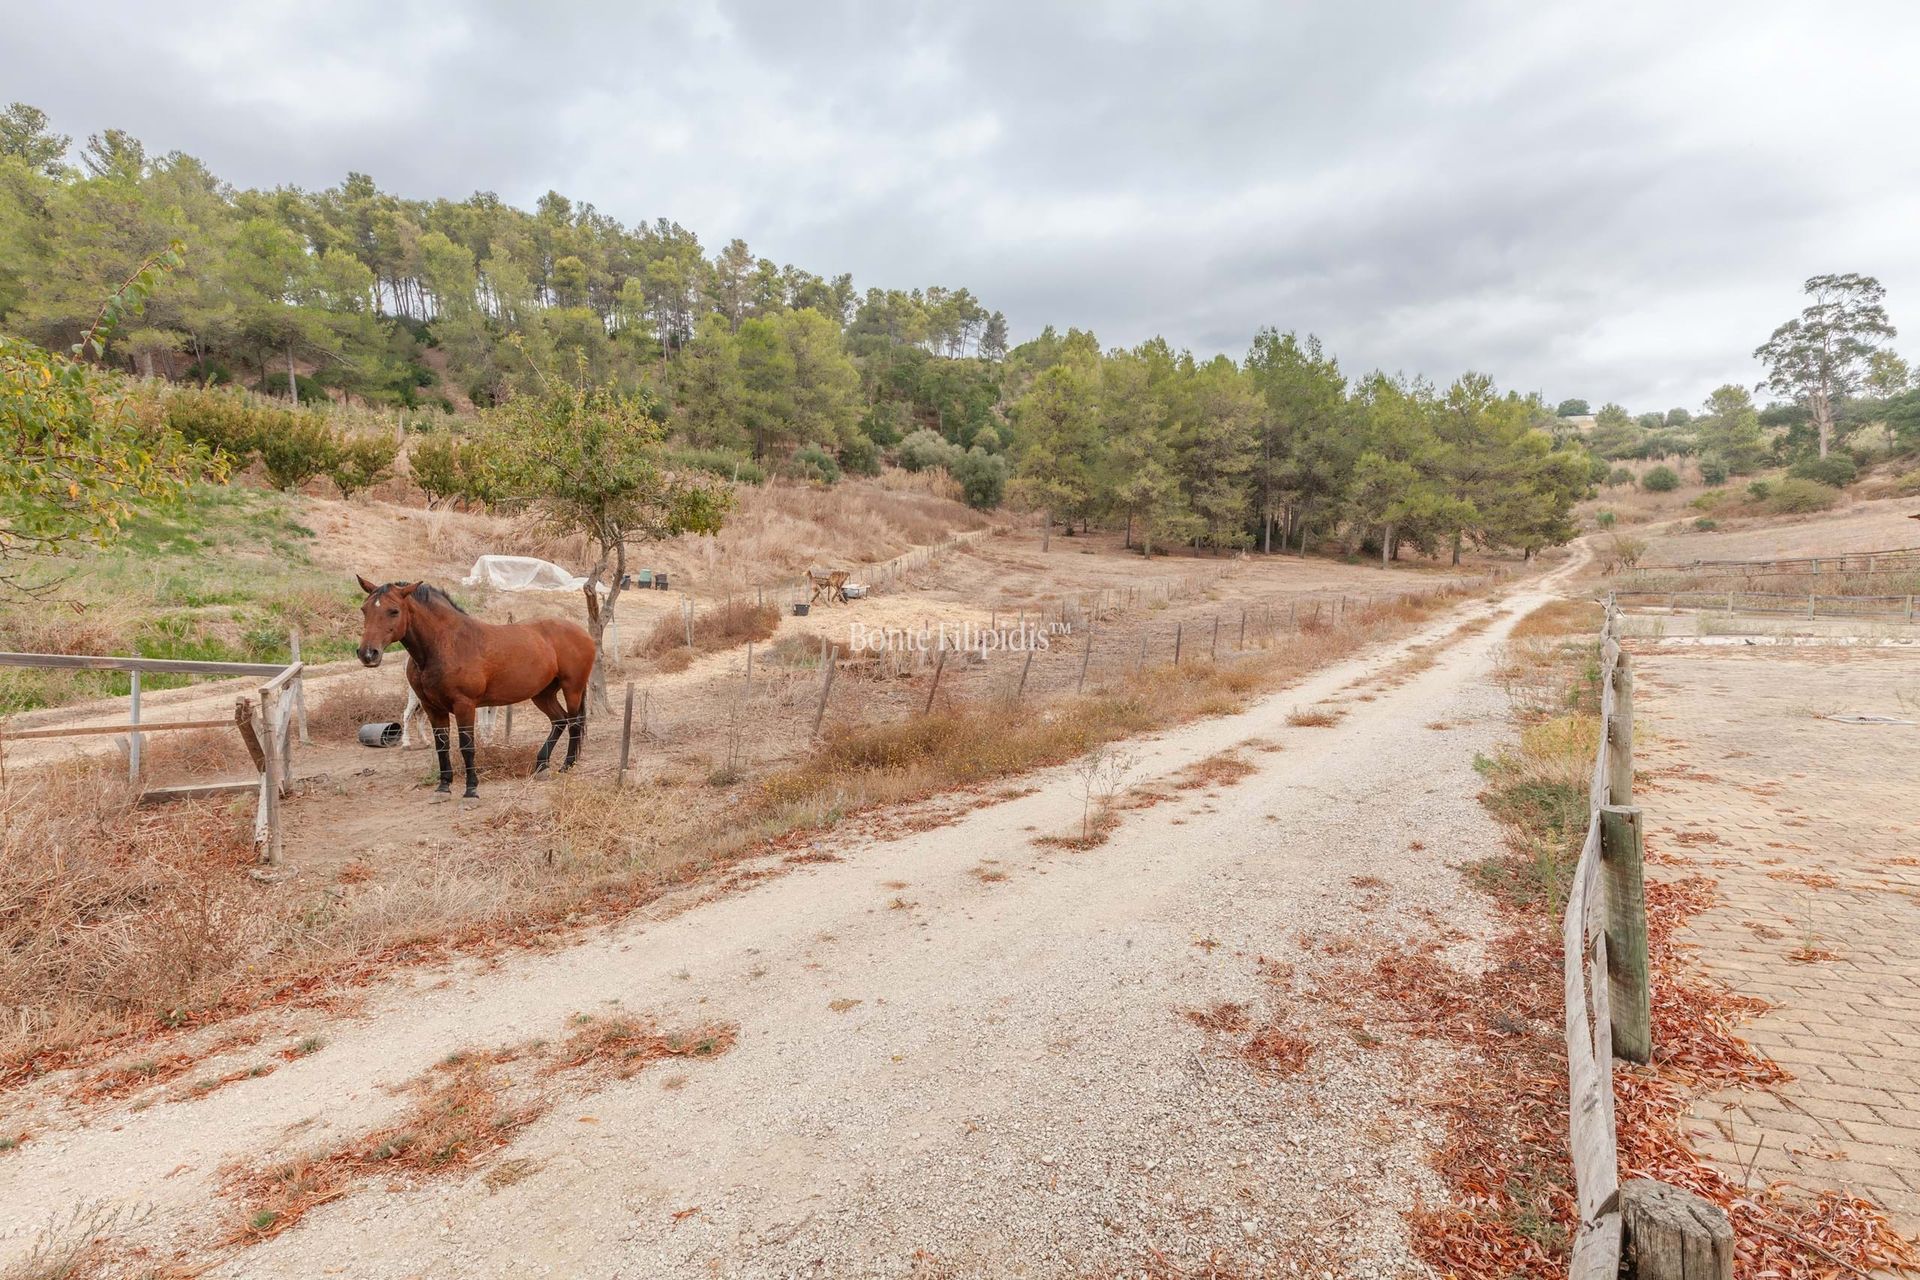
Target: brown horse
[[457, 664]]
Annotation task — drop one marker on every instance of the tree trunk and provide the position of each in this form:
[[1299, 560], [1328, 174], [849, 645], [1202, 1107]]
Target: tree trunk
[[1823, 420], [1386, 546], [1046, 532], [600, 617], [1266, 533], [293, 381], [1129, 541], [1456, 548]]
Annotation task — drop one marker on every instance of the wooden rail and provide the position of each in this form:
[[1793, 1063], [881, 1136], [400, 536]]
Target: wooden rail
[[1879, 561], [267, 731], [1775, 603], [1608, 1008]]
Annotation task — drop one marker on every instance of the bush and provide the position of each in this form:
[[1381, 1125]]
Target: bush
[[982, 478], [311, 392], [1796, 496], [1836, 470], [717, 462], [1605, 519], [361, 462], [220, 420], [811, 462], [1706, 524], [1709, 500], [924, 450], [434, 462], [886, 422], [1619, 476], [1713, 470], [295, 447], [1759, 490], [1662, 479], [861, 456]]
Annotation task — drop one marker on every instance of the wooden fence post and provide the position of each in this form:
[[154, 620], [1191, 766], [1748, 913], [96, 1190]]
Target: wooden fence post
[[299, 688], [1177, 628], [1025, 667], [1622, 850], [1085, 658], [1213, 653], [934, 688], [747, 690], [1243, 629], [133, 738], [1620, 734], [270, 786], [826, 684], [626, 737], [1671, 1234]]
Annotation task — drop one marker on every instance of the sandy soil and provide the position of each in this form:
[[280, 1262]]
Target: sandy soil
[[1873, 525], [993, 1079]]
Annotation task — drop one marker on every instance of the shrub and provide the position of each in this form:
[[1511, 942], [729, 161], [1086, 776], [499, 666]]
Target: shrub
[[311, 392], [1713, 470], [220, 420], [861, 456], [1620, 476], [1662, 479], [1836, 470], [924, 450], [811, 462], [1605, 519], [435, 466], [295, 447], [1759, 489], [1706, 524], [361, 462], [1795, 496], [717, 462], [886, 422], [1623, 551], [982, 478]]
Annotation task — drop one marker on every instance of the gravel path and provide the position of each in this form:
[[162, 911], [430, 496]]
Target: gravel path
[[1014, 1093]]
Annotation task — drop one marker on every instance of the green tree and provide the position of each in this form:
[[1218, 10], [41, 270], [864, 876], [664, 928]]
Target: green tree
[[1572, 409], [1729, 429], [1821, 356], [1058, 423], [590, 461]]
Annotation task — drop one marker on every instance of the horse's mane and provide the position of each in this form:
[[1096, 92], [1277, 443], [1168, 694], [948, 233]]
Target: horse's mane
[[425, 594]]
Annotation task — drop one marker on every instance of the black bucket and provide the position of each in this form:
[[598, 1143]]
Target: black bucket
[[659, 582], [800, 610], [380, 735]]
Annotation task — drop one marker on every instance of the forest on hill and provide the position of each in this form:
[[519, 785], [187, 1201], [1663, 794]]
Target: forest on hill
[[438, 313]]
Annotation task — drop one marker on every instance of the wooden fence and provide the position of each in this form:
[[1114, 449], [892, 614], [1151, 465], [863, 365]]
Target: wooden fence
[[1887, 560], [1661, 1232], [1774, 603], [267, 729]]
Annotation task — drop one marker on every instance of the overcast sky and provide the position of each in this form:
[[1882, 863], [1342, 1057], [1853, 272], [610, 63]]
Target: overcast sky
[[1612, 201]]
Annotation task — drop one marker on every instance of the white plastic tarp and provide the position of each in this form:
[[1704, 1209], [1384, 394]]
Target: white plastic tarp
[[521, 573]]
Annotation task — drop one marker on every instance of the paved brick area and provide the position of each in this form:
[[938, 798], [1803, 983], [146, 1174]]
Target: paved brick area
[[1812, 829]]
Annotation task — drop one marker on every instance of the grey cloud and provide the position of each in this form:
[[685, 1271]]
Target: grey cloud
[[1611, 202]]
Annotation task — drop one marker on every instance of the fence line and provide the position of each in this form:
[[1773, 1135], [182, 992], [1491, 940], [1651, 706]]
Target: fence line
[[267, 730], [1842, 562], [1777, 603], [1608, 1014]]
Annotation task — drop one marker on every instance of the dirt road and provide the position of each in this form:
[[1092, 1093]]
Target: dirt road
[[959, 1053]]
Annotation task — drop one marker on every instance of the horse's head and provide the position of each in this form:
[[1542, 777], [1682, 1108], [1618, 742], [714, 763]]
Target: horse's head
[[383, 618]]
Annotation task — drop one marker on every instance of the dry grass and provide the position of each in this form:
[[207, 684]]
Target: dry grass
[[1321, 717], [137, 922], [1559, 618], [622, 1046], [733, 622]]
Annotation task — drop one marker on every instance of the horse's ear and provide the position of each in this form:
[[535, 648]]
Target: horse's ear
[[406, 590], [365, 586]]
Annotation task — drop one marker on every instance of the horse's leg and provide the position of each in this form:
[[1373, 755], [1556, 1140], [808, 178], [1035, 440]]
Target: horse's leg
[[576, 723], [548, 700], [437, 717], [464, 716]]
